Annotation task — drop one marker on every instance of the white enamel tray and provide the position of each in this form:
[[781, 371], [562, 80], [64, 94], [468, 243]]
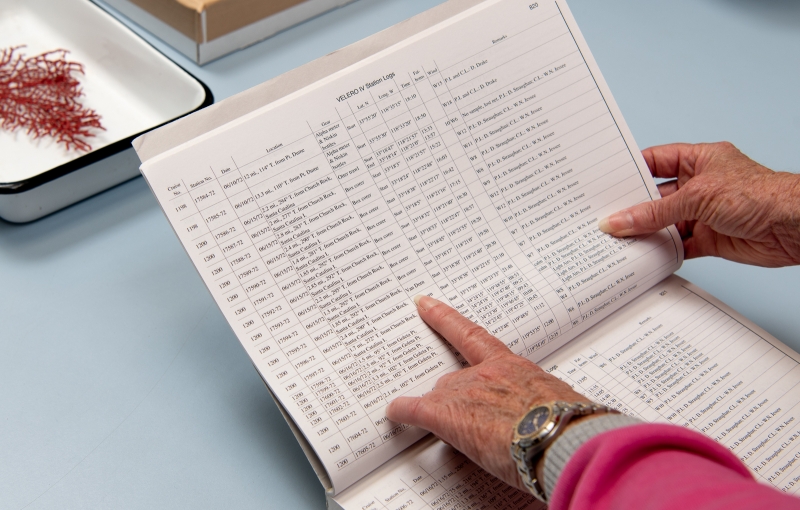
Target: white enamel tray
[[132, 86]]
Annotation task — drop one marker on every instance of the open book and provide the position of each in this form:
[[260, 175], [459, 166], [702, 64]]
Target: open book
[[467, 154]]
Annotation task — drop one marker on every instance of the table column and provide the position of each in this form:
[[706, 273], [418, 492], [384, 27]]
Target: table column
[[502, 280], [406, 341], [555, 293]]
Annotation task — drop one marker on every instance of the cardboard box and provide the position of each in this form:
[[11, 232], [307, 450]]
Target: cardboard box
[[205, 30]]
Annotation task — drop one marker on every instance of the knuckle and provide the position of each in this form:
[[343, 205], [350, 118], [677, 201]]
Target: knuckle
[[700, 195], [487, 372], [701, 186], [448, 412], [445, 380], [474, 334], [652, 212], [415, 406], [421, 410], [694, 192]]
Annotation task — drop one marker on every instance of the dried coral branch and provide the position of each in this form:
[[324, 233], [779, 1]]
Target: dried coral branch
[[42, 96]]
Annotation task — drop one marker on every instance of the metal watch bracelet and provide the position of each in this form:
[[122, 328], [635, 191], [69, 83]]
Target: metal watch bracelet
[[526, 458]]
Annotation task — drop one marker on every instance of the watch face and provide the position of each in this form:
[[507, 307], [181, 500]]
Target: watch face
[[533, 421]]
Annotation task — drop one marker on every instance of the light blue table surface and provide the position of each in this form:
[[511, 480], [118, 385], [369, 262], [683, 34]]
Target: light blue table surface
[[121, 385]]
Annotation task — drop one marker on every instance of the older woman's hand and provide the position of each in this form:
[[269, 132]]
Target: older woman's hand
[[723, 203], [475, 409]]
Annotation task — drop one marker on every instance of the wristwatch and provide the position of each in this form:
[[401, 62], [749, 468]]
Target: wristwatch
[[537, 430]]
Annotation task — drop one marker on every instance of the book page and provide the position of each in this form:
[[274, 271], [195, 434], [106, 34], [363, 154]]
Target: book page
[[678, 355], [675, 355], [470, 162], [432, 476]]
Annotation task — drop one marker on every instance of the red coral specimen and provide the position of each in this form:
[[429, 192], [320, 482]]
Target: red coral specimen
[[41, 94]]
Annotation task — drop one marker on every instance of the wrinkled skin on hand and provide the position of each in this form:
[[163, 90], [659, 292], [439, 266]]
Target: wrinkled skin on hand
[[723, 203], [475, 409]]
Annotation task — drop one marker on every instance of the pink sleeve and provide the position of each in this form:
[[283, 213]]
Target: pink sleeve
[[655, 467]]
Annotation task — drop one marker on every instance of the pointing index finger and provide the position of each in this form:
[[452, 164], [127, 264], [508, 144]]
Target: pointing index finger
[[473, 341]]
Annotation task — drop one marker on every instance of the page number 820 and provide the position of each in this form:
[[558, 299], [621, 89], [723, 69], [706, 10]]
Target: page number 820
[[533, 6]]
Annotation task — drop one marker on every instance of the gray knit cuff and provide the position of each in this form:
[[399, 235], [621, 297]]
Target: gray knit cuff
[[559, 453]]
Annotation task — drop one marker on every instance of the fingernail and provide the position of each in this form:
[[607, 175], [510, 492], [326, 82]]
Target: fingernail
[[424, 302], [616, 222]]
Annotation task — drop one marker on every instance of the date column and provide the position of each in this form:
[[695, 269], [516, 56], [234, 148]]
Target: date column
[[255, 244]]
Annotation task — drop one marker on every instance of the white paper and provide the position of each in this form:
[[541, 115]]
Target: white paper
[[678, 355], [675, 355], [471, 162], [433, 476]]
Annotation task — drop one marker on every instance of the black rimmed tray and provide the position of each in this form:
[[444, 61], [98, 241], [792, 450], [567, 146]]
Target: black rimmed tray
[[130, 84]]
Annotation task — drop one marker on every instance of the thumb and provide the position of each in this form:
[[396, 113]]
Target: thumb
[[644, 218]]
